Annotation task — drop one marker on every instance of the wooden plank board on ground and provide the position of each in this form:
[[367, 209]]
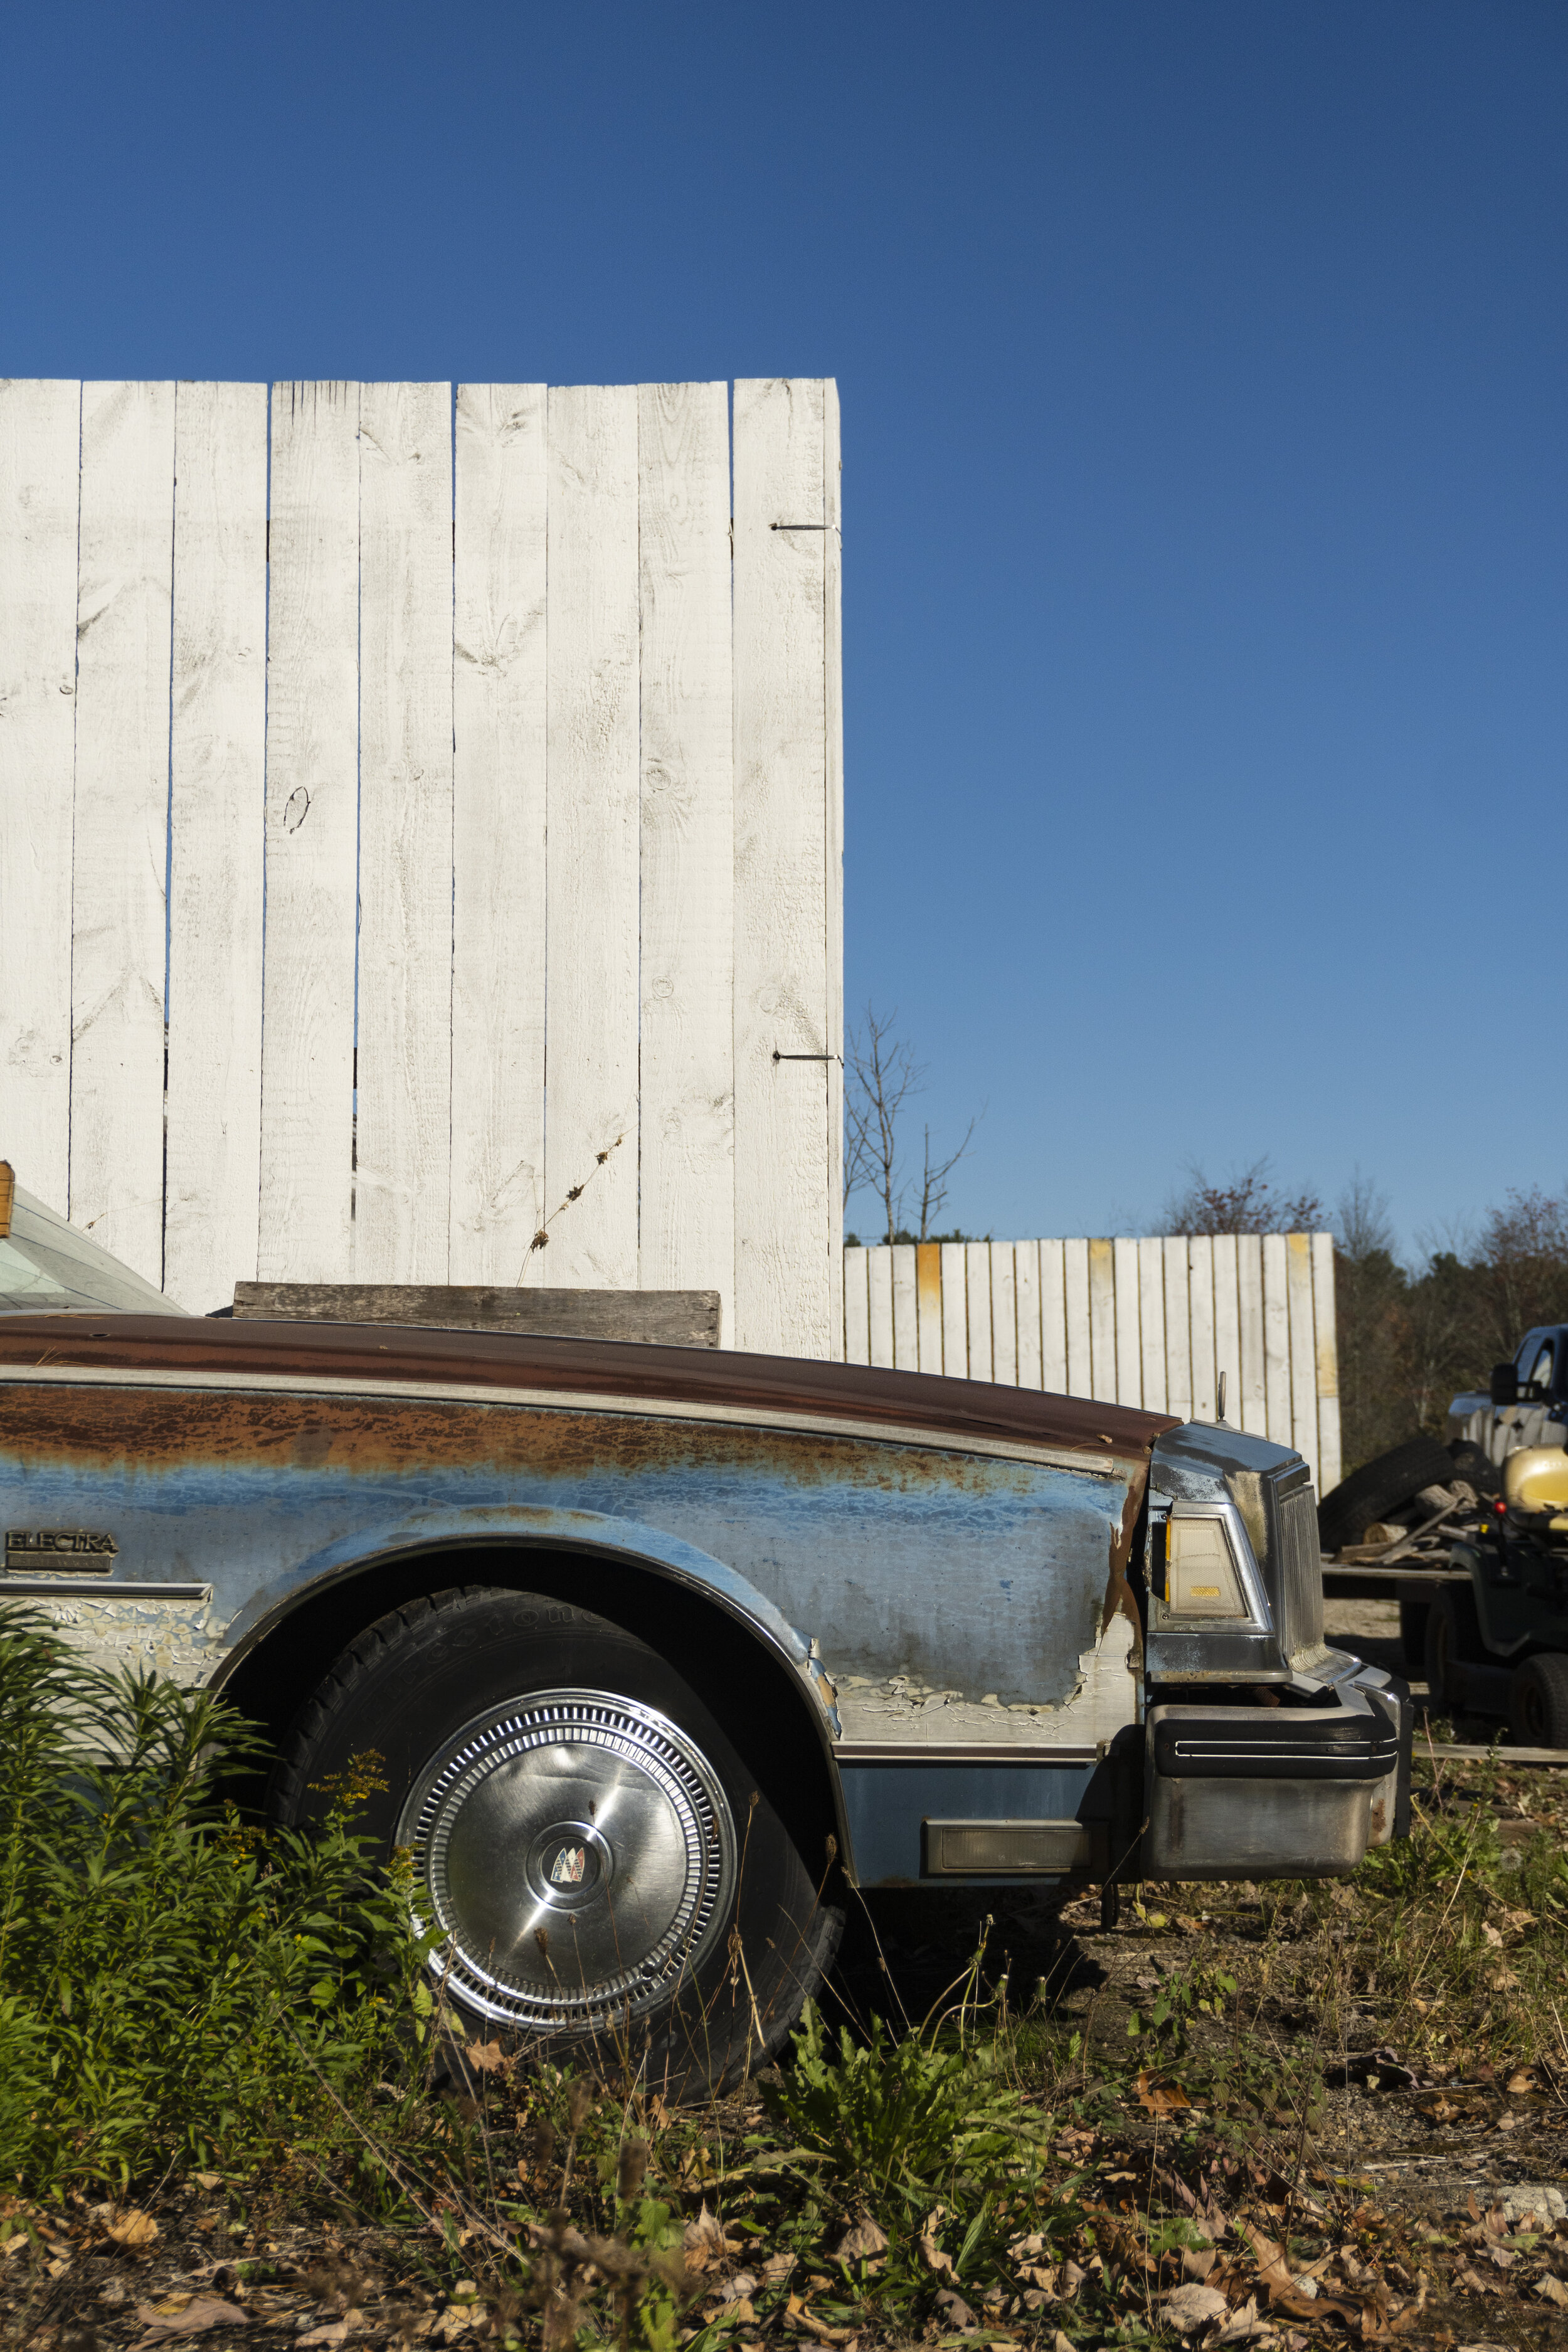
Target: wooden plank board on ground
[[785, 1006], [404, 1151], [217, 815], [40, 437], [497, 830], [312, 831], [687, 1181], [121, 807]]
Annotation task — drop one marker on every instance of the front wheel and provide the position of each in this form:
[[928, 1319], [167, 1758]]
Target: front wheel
[[1538, 1709], [605, 1878]]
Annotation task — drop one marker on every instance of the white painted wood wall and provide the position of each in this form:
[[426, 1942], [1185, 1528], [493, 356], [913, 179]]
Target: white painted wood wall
[[1149, 1322], [499, 738]]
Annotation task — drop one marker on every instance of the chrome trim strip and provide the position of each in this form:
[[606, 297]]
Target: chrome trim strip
[[971, 1751], [811, 1425], [97, 1588]]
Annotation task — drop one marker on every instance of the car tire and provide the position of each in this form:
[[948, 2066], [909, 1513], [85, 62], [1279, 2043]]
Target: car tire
[[1452, 1639], [1378, 1488], [1537, 1702], [1468, 1462], [610, 1884], [1413, 1617]]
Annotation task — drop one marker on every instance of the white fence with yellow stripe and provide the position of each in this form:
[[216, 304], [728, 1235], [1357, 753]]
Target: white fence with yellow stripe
[[1152, 1321]]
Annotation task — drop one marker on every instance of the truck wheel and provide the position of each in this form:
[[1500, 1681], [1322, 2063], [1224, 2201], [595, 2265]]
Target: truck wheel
[[1537, 1709], [609, 1882], [1468, 1463], [1413, 1617], [1453, 1638], [1376, 1490]]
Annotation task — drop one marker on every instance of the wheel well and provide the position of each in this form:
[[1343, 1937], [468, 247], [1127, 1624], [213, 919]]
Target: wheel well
[[757, 1701]]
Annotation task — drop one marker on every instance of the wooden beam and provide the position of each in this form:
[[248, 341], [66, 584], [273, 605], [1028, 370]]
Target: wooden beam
[[666, 1318]]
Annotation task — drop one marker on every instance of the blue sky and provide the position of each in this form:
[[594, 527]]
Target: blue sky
[[1206, 576]]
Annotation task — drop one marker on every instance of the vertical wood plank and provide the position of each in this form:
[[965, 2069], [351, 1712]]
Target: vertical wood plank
[[955, 1311], [218, 783], [1004, 1315], [1026, 1279], [1329, 1464], [880, 1268], [1076, 1308], [977, 1290], [40, 482], [122, 819], [1277, 1338], [1054, 1318], [591, 1062], [1228, 1327], [1178, 1329], [312, 820], [1102, 1321], [906, 1312], [1152, 1321], [1303, 1349], [1129, 1337], [833, 696], [1200, 1312], [787, 1207], [497, 832], [1254, 1414], [928, 1304], [403, 1188], [687, 1213], [856, 1307]]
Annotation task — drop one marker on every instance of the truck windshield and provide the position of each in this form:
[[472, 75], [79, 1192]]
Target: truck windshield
[[48, 1268]]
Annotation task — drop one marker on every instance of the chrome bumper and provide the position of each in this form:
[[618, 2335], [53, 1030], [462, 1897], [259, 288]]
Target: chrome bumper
[[1298, 1791]]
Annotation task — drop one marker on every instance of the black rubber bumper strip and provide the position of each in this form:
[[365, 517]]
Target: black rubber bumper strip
[[1290, 1749]]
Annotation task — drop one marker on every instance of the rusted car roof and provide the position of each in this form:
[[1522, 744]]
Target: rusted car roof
[[308, 1352]]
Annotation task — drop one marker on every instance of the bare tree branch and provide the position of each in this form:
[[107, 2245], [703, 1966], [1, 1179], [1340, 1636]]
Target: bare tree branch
[[934, 1180]]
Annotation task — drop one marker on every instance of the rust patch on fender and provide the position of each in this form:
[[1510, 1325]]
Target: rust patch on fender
[[1120, 1596]]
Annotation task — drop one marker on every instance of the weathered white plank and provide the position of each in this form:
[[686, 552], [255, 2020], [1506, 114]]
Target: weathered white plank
[[1075, 1310], [121, 806], [786, 1000], [404, 1185], [497, 832], [928, 1304], [977, 1291], [1200, 1312], [881, 1307], [1129, 1336], [1277, 1338], [1178, 1329], [1303, 1351], [833, 731], [1027, 1282], [218, 782], [687, 1218], [40, 433], [1102, 1321], [906, 1310], [1152, 1321], [1004, 1315], [1253, 1415], [593, 793], [1327, 1382], [1226, 1327], [856, 1307], [1053, 1318], [313, 817], [955, 1311]]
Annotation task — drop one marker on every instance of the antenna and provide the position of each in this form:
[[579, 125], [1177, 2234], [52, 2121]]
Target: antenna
[[1222, 1396]]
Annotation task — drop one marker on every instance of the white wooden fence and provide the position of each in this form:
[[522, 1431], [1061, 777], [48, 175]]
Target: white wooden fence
[[1143, 1322], [495, 743]]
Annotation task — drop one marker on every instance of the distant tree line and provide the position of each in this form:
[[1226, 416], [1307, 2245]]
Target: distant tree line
[[1410, 1335]]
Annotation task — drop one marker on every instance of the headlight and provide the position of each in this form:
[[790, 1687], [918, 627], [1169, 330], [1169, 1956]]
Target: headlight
[[1201, 1578]]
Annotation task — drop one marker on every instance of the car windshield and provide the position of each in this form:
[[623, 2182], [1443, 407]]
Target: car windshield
[[48, 1267]]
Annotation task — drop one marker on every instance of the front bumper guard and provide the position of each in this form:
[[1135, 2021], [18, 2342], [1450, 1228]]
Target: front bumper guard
[[1292, 1791]]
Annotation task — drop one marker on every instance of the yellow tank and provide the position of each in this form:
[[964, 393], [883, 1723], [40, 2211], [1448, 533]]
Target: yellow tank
[[1536, 1479]]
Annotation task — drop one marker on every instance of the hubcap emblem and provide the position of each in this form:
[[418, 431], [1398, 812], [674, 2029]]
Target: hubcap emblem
[[566, 1869]]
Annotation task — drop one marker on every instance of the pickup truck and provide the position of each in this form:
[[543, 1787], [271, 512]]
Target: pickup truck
[[663, 1651], [1526, 1404]]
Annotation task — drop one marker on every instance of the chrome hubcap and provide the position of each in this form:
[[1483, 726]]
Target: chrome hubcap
[[578, 1853]]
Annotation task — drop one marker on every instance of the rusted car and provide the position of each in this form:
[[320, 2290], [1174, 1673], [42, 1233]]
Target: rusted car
[[664, 1652]]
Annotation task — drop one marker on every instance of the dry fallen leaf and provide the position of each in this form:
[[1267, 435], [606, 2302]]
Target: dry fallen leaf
[[200, 2315], [932, 2256], [484, 2055], [133, 2230], [1188, 2308], [1161, 2098], [862, 2240]]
